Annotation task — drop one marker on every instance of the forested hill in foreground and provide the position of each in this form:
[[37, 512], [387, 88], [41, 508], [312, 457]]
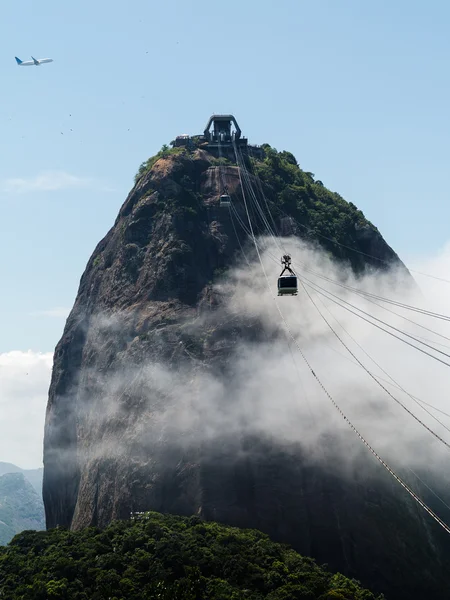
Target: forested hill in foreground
[[165, 558], [147, 311]]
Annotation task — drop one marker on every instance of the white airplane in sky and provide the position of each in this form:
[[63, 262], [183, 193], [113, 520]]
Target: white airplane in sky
[[36, 61]]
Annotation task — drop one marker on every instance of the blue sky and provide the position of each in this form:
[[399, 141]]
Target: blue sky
[[358, 91]]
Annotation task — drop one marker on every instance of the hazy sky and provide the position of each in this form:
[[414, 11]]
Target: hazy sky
[[358, 91]]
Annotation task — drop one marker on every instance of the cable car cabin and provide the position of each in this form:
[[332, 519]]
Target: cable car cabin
[[287, 285], [225, 200]]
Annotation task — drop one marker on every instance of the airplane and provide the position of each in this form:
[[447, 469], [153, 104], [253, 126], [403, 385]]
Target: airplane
[[35, 61]]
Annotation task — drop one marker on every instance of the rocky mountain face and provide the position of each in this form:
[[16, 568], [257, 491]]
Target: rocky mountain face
[[147, 297], [21, 507]]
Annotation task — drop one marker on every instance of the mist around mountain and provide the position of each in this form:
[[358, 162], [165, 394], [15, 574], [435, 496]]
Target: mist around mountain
[[174, 388]]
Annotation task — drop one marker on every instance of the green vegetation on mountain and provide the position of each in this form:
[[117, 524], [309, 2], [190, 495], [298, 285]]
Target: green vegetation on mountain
[[318, 209], [20, 506], [321, 215], [163, 153], [164, 557]]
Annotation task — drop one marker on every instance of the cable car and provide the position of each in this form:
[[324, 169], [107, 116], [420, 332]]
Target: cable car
[[287, 284], [225, 200]]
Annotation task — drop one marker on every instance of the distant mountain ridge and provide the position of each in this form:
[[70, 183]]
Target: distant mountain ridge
[[21, 507], [34, 476]]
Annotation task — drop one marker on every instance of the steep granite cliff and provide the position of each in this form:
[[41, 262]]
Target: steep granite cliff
[[147, 314]]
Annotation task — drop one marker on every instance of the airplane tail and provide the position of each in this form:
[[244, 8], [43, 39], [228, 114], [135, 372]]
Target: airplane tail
[[19, 62]]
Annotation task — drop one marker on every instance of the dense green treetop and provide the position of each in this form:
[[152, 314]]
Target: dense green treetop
[[165, 557]]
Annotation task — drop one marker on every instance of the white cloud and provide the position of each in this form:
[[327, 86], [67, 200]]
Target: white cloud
[[433, 274], [270, 391], [49, 181], [59, 312], [24, 382]]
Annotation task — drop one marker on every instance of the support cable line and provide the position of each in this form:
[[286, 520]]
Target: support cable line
[[386, 381], [392, 380], [416, 339], [381, 298], [367, 297], [433, 433], [389, 263], [439, 438], [247, 177], [233, 209], [224, 199], [396, 385], [381, 260], [361, 294], [337, 407], [261, 191], [337, 300], [414, 323], [428, 488]]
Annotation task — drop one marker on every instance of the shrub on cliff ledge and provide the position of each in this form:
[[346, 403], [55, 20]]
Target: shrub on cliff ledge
[[163, 153], [165, 557]]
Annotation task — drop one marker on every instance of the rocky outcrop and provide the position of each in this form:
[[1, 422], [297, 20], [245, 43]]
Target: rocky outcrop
[[146, 298]]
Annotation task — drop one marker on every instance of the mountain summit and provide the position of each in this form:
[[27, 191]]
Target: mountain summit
[[155, 399]]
